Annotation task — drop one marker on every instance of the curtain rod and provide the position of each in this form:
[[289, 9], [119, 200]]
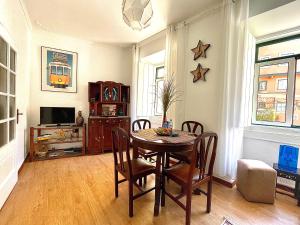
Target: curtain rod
[[207, 12]]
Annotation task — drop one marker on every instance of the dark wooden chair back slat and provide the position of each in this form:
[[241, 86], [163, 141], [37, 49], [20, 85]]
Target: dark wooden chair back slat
[[192, 127], [121, 143], [141, 124], [204, 154]]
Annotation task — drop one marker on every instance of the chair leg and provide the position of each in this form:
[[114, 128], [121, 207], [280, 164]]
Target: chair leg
[[163, 193], [209, 191], [130, 198], [167, 160], [116, 184], [188, 206]]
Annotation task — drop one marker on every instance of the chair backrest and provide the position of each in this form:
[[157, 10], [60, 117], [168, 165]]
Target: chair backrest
[[121, 143], [204, 154], [192, 126], [141, 124]]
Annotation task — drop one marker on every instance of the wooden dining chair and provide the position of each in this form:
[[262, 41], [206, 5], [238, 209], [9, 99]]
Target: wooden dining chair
[[191, 176], [192, 127], [142, 124], [131, 169]]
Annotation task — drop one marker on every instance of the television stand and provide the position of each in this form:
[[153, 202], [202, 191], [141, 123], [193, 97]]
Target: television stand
[[58, 125], [56, 142]]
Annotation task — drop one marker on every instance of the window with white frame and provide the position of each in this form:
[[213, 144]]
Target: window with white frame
[[277, 83], [282, 84], [262, 85], [7, 93], [159, 82]]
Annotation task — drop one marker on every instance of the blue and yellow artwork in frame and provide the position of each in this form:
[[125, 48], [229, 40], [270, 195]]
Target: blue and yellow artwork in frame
[[59, 70]]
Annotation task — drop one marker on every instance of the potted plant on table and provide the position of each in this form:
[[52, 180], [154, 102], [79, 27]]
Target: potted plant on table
[[169, 95]]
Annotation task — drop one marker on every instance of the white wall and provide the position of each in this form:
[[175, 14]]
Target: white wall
[[16, 29], [95, 62], [262, 143], [201, 100]]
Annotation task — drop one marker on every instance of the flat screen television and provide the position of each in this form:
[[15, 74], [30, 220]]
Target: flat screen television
[[57, 115]]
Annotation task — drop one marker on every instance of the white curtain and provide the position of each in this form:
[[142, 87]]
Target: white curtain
[[146, 89], [237, 63], [175, 66], [134, 86]]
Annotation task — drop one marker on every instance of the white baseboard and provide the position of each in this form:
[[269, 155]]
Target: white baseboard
[[7, 186]]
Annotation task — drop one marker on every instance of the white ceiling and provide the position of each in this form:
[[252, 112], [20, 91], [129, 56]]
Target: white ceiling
[[101, 20], [276, 20]]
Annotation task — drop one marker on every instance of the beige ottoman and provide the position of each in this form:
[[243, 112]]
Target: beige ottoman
[[256, 181]]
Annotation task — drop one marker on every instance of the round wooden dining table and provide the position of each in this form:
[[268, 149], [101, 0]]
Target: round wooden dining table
[[148, 139]]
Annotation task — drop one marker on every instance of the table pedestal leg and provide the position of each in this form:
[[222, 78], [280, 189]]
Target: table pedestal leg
[[157, 184]]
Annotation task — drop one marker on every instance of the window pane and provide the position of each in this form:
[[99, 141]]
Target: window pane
[[297, 96], [66, 71], [281, 49], [59, 70], [12, 107], [272, 93], [53, 69], [12, 60], [12, 84], [159, 87], [3, 107], [3, 134], [12, 127], [160, 72], [3, 80], [3, 52]]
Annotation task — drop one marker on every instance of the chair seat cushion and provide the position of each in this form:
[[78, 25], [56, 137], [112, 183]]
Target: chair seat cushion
[[139, 167], [185, 156], [180, 172]]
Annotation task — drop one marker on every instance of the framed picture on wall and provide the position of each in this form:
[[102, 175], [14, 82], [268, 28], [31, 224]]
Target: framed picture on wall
[[59, 70]]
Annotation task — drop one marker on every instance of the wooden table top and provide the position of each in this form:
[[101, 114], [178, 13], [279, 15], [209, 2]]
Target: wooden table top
[[149, 136]]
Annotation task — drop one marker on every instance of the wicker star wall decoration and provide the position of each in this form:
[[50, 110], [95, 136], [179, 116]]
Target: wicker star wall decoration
[[200, 50], [199, 73]]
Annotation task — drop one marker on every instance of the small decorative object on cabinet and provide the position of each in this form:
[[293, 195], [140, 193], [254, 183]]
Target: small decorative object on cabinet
[[79, 119], [200, 50], [52, 145], [199, 73], [108, 104]]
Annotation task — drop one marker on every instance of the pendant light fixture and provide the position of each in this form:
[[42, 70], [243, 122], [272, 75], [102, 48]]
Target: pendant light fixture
[[137, 14]]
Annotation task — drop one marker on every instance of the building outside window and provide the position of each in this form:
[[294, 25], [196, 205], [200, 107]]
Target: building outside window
[[262, 85]]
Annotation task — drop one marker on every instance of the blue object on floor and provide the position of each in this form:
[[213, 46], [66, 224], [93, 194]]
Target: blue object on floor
[[288, 157]]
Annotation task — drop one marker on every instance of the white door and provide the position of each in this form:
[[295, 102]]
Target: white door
[[8, 119]]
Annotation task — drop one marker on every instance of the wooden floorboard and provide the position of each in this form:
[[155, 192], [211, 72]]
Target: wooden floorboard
[[80, 191]]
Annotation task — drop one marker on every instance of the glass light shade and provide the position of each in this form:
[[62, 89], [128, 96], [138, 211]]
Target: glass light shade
[[137, 13]]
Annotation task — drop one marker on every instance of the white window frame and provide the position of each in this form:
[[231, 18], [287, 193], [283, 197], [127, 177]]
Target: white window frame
[[290, 92], [156, 89]]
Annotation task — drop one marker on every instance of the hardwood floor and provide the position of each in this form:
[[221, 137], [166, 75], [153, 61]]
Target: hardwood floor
[[80, 190]]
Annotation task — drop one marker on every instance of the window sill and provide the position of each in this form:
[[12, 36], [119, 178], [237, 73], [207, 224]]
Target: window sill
[[273, 134]]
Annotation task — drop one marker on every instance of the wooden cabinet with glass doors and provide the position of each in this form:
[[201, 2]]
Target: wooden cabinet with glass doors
[[109, 107]]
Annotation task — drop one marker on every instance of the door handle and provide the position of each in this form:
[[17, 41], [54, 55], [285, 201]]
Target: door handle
[[18, 114]]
